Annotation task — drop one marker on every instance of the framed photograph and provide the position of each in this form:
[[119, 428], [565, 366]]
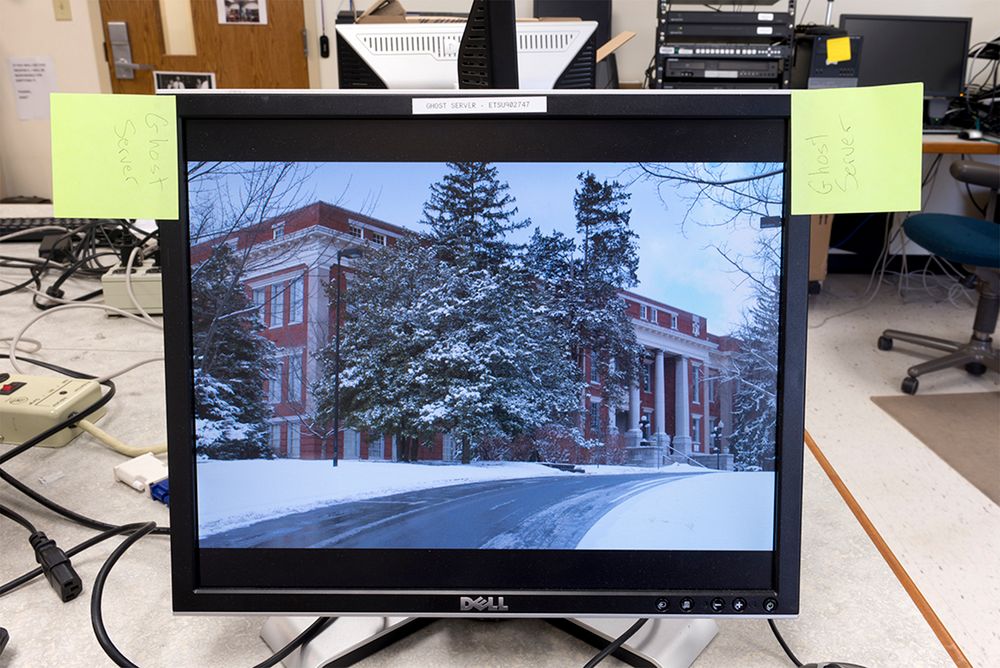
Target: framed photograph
[[253, 12], [184, 80]]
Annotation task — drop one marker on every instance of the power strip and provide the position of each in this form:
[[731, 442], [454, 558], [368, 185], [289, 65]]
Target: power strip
[[30, 405], [147, 286]]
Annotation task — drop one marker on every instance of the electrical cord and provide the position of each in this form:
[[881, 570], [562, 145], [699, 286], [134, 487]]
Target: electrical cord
[[104, 640], [118, 445], [12, 514], [22, 580], [41, 499], [781, 641], [616, 643]]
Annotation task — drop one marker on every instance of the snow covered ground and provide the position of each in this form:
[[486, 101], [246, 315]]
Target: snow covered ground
[[714, 511], [232, 494]]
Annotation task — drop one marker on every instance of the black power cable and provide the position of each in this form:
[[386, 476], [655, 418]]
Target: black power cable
[[616, 643], [12, 514], [784, 645], [104, 640]]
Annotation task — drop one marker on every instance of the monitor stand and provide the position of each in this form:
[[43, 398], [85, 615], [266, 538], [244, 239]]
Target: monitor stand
[[661, 643]]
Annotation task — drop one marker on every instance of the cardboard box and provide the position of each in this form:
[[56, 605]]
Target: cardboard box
[[819, 245]]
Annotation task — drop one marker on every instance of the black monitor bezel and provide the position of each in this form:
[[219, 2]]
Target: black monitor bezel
[[965, 20], [191, 596]]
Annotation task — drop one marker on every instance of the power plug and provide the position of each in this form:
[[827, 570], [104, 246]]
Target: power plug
[[29, 405]]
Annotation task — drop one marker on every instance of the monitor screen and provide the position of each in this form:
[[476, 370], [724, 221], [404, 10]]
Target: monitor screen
[[903, 49], [532, 355]]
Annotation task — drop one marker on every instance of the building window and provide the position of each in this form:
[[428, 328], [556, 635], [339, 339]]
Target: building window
[[673, 321], [278, 230], [653, 315], [644, 312], [696, 431], [295, 380], [696, 380], [259, 299], [294, 440], [595, 416], [594, 377], [274, 438], [713, 439], [646, 374], [710, 387], [277, 305], [378, 238], [296, 290], [274, 392], [356, 231], [695, 325]]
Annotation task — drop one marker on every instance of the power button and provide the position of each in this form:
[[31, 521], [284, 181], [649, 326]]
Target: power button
[[770, 605]]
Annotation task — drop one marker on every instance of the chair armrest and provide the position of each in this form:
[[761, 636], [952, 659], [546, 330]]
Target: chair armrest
[[976, 173]]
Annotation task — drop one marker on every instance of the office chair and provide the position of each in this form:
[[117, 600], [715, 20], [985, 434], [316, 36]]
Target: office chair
[[976, 244]]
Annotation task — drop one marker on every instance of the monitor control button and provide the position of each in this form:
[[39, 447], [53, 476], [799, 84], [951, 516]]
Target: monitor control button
[[718, 604], [770, 605], [662, 605], [687, 604], [739, 604]]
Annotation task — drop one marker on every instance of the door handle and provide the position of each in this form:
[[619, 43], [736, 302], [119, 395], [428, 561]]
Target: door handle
[[132, 66], [121, 51]]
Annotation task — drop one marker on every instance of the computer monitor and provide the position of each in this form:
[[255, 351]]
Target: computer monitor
[[427, 361], [421, 56], [901, 49]]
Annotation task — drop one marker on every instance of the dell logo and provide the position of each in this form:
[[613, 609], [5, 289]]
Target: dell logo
[[482, 604]]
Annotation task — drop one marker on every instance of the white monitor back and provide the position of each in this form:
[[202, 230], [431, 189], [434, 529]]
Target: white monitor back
[[425, 55]]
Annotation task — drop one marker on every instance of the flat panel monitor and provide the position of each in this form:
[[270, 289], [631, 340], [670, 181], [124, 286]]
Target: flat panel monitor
[[902, 49], [518, 364]]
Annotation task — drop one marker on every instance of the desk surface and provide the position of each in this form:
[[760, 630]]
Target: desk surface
[[952, 144], [852, 608]]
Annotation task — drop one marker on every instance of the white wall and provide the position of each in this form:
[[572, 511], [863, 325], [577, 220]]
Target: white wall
[[29, 28]]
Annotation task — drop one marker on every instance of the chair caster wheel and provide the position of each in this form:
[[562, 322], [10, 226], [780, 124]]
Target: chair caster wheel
[[975, 368], [815, 287], [910, 385], [884, 343]]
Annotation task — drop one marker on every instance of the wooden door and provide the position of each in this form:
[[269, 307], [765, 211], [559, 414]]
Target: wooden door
[[240, 55]]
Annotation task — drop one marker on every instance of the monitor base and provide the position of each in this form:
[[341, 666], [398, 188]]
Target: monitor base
[[661, 643]]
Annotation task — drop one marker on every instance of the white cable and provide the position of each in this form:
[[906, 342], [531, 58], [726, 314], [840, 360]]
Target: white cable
[[129, 368], [34, 345], [12, 348], [131, 293], [118, 445]]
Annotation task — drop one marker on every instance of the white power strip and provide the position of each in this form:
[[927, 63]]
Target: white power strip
[[147, 286], [30, 405]]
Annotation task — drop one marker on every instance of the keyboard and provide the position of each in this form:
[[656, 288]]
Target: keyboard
[[28, 218]]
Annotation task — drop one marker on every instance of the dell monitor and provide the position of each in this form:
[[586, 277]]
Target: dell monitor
[[902, 49], [493, 355]]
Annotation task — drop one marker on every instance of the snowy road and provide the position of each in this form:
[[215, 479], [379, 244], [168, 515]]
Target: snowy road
[[552, 513]]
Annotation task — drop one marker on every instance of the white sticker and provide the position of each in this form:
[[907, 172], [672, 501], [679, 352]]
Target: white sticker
[[765, 16], [765, 30], [480, 105]]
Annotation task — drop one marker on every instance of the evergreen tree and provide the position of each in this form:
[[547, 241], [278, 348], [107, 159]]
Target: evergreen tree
[[450, 332], [608, 266], [470, 212], [232, 362], [754, 370]]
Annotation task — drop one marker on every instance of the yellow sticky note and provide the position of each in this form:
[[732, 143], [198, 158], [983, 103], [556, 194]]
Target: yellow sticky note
[[856, 149], [838, 49], [114, 156]]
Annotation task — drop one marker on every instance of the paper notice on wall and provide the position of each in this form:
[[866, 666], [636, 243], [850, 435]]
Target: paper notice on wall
[[33, 80]]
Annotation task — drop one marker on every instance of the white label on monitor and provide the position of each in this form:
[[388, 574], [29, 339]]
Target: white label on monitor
[[765, 30], [480, 105], [765, 16]]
